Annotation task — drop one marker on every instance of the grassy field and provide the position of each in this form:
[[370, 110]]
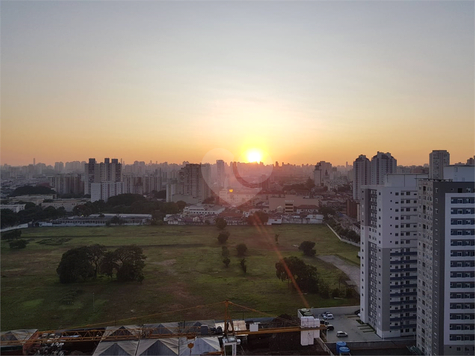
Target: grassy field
[[185, 278]]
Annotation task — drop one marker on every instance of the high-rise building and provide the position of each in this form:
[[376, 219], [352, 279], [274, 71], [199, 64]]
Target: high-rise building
[[389, 255], [105, 190], [322, 173], [382, 164], [438, 159], [68, 184], [108, 171], [446, 249], [362, 175], [191, 184], [220, 173], [59, 167]]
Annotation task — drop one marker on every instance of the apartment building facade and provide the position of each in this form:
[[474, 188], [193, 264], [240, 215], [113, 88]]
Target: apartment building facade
[[446, 267], [389, 255]]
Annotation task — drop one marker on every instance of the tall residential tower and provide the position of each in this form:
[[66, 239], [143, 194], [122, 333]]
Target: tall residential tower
[[389, 255], [446, 263], [438, 159]]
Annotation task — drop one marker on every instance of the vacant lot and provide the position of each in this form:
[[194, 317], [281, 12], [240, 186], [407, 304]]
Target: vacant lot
[[183, 270]]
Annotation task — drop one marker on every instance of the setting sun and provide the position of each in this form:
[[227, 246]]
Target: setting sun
[[254, 155]]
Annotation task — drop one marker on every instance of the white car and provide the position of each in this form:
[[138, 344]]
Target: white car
[[341, 334], [328, 316]]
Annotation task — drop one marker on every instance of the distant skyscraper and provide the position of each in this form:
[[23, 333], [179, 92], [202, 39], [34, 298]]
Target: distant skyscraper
[[382, 164], [220, 175], [446, 263], [101, 172], [193, 182], [322, 173], [438, 159], [362, 175], [389, 255]]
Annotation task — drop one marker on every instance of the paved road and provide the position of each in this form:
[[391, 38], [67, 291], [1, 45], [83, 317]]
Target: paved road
[[352, 271]]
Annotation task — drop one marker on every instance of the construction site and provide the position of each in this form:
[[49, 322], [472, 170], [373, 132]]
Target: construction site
[[301, 334], [306, 333]]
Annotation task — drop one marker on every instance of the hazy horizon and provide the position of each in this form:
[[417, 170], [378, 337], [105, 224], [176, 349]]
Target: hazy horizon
[[301, 82]]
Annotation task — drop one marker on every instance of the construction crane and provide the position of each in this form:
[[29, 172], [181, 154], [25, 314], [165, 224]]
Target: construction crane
[[229, 333]]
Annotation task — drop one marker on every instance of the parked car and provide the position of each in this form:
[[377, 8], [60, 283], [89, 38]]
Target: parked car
[[341, 334], [330, 327], [328, 316]]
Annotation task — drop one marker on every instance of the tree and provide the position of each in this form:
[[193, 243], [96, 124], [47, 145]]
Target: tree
[[324, 289], [307, 248], [8, 218], [225, 251], [108, 264], [181, 204], [116, 220], [18, 244], [96, 254], [223, 236], [241, 249], [243, 265], [125, 199], [293, 268], [75, 266], [258, 218], [326, 211], [132, 260], [221, 223], [226, 261], [335, 293], [170, 208], [31, 190], [309, 184], [11, 235]]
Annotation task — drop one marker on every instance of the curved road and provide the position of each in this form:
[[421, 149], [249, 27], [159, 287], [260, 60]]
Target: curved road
[[352, 271]]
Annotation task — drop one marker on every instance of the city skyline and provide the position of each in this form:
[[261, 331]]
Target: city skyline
[[301, 82]]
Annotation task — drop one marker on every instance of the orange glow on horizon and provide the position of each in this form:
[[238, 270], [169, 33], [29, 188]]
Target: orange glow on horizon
[[254, 155]]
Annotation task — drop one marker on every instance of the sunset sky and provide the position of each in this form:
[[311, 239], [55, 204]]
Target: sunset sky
[[301, 81]]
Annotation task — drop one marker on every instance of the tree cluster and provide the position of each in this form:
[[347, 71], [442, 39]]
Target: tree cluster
[[294, 269], [258, 218], [307, 247], [32, 190], [131, 204], [344, 233], [31, 212], [14, 239], [83, 263]]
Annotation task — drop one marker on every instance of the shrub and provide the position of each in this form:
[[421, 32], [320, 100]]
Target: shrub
[[18, 244], [241, 249], [226, 261], [223, 236]]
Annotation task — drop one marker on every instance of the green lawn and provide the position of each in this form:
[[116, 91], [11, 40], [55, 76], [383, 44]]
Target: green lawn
[[183, 270]]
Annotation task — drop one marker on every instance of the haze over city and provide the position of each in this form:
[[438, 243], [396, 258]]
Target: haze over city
[[298, 81]]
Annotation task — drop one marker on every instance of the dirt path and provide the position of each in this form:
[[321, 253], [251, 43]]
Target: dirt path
[[352, 271]]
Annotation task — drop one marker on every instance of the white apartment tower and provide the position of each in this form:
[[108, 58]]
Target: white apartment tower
[[382, 164], [389, 255], [446, 263], [438, 159], [361, 175]]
